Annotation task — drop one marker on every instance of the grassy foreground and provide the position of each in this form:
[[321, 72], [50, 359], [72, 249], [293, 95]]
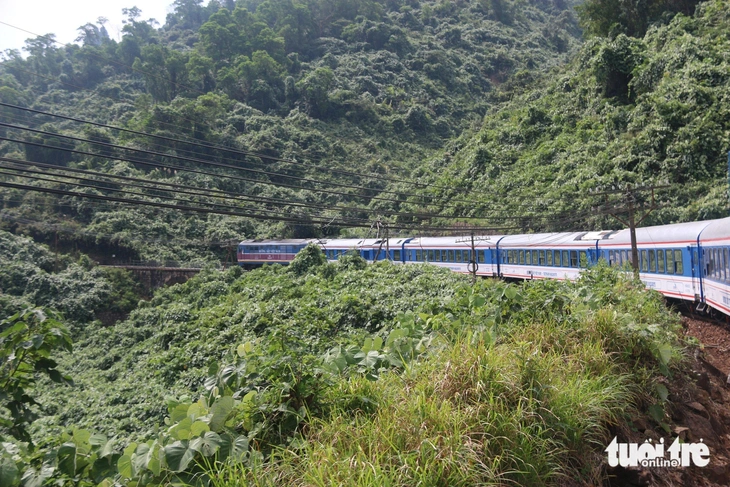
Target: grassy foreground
[[523, 391]]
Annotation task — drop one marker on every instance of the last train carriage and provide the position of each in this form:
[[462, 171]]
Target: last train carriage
[[688, 261]]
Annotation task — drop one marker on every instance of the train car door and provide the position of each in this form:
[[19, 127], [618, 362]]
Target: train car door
[[696, 266]]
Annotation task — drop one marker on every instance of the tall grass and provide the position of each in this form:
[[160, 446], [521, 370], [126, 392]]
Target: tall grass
[[532, 407]]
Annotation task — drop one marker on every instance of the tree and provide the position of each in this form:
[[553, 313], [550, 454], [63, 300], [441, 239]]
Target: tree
[[27, 340], [315, 89]]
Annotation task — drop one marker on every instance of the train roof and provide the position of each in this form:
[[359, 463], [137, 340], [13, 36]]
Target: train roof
[[347, 243], [716, 230], [291, 241], [673, 234], [455, 242], [568, 239]]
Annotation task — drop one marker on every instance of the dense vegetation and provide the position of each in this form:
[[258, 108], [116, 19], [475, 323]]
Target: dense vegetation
[[370, 86], [626, 111], [317, 373], [289, 375]]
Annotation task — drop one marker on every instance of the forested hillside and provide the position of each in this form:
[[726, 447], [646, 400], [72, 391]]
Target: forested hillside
[[309, 118], [643, 111], [343, 97]]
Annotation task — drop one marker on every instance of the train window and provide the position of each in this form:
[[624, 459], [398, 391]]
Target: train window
[[678, 268], [611, 258], [583, 259], [550, 257], [660, 261], [528, 257], [450, 256], [419, 255], [573, 258], [458, 256], [431, 256], [721, 264], [534, 257], [396, 255], [566, 260], [670, 262], [557, 258], [467, 256], [481, 255], [727, 264], [652, 261], [522, 257], [542, 257], [718, 263], [644, 261]]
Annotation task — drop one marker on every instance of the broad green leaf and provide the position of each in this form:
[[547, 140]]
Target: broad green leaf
[[377, 343], [199, 427], [244, 349], [124, 466], [81, 437], [207, 444], [34, 478], [195, 411], [510, 292], [9, 473], [394, 335], [179, 455], [67, 459], [665, 353], [220, 411], [179, 413], [370, 359], [181, 430], [97, 439], [130, 449], [662, 391], [248, 398], [656, 411], [107, 449]]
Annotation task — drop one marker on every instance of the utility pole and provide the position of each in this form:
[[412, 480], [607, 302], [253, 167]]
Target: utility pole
[[631, 222], [387, 244], [473, 266]]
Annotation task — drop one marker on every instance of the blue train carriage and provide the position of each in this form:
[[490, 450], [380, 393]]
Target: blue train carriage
[[454, 253], [714, 242], [548, 255], [257, 252], [334, 248], [669, 257]]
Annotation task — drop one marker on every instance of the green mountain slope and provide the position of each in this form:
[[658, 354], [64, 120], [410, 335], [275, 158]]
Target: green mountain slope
[[626, 111], [372, 87]]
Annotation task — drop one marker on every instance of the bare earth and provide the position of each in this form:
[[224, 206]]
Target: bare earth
[[699, 410]]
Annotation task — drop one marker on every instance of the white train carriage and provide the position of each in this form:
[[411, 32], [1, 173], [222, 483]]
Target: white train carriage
[[454, 253], [547, 255], [714, 240], [668, 257]]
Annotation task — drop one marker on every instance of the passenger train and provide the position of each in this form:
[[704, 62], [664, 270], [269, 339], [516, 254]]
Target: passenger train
[[687, 261]]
